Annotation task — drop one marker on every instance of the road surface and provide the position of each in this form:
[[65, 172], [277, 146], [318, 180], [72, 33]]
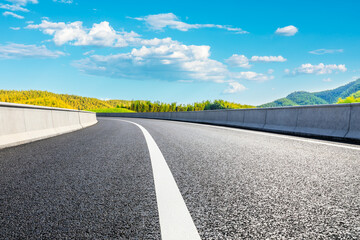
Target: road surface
[[99, 183]]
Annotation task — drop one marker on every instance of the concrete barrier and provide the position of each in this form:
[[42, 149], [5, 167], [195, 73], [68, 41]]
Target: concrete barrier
[[21, 123], [235, 118], [326, 120], [165, 115], [354, 126], [185, 116], [255, 118], [213, 117], [340, 121], [281, 119]]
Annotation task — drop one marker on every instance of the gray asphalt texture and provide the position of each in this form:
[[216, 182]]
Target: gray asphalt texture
[[97, 183]]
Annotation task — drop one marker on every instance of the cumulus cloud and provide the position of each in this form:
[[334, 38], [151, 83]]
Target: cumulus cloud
[[156, 41], [317, 69], [15, 28], [235, 87], [167, 62], [327, 80], [287, 31], [13, 15], [238, 61], [242, 61], [326, 51], [163, 20], [75, 33], [252, 76], [14, 50], [161, 59], [101, 34]]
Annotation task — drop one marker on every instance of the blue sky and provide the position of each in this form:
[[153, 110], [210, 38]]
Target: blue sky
[[243, 51]]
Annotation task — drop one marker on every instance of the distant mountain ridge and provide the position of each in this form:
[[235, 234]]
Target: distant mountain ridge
[[49, 99], [315, 98]]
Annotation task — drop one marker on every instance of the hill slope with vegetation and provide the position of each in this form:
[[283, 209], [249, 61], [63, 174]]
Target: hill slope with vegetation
[[353, 98], [323, 97], [44, 98]]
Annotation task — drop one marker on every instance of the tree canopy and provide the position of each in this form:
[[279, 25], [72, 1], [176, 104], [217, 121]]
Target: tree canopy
[[44, 98]]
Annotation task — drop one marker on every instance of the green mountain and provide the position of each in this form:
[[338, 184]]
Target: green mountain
[[353, 98], [315, 98]]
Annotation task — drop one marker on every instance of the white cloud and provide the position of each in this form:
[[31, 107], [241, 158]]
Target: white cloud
[[64, 1], [14, 50], [162, 59], [13, 15], [157, 41], [252, 76], [242, 61], [326, 51], [166, 62], [235, 87], [13, 7], [270, 71], [169, 62], [318, 69], [327, 80], [17, 5], [267, 59], [287, 31], [89, 52], [101, 34], [238, 61], [23, 2], [163, 20], [15, 28]]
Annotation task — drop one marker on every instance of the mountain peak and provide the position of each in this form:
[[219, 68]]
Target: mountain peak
[[315, 98]]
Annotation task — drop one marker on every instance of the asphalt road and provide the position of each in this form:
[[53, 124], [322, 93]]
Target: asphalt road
[[97, 183]]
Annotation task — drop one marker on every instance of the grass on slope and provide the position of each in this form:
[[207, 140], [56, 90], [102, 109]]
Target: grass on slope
[[111, 110], [353, 98], [49, 99]]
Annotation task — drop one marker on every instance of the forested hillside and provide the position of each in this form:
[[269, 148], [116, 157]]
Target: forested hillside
[[147, 106], [353, 98], [44, 98], [323, 97]]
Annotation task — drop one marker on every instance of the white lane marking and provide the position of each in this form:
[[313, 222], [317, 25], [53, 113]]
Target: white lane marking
[[276, 135], [175, 220]]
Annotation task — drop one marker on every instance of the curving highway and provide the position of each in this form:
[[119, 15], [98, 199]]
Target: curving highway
[[151, 179]]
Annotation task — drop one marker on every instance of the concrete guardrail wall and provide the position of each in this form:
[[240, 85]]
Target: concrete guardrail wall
[[21, 123], [340, 121]]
